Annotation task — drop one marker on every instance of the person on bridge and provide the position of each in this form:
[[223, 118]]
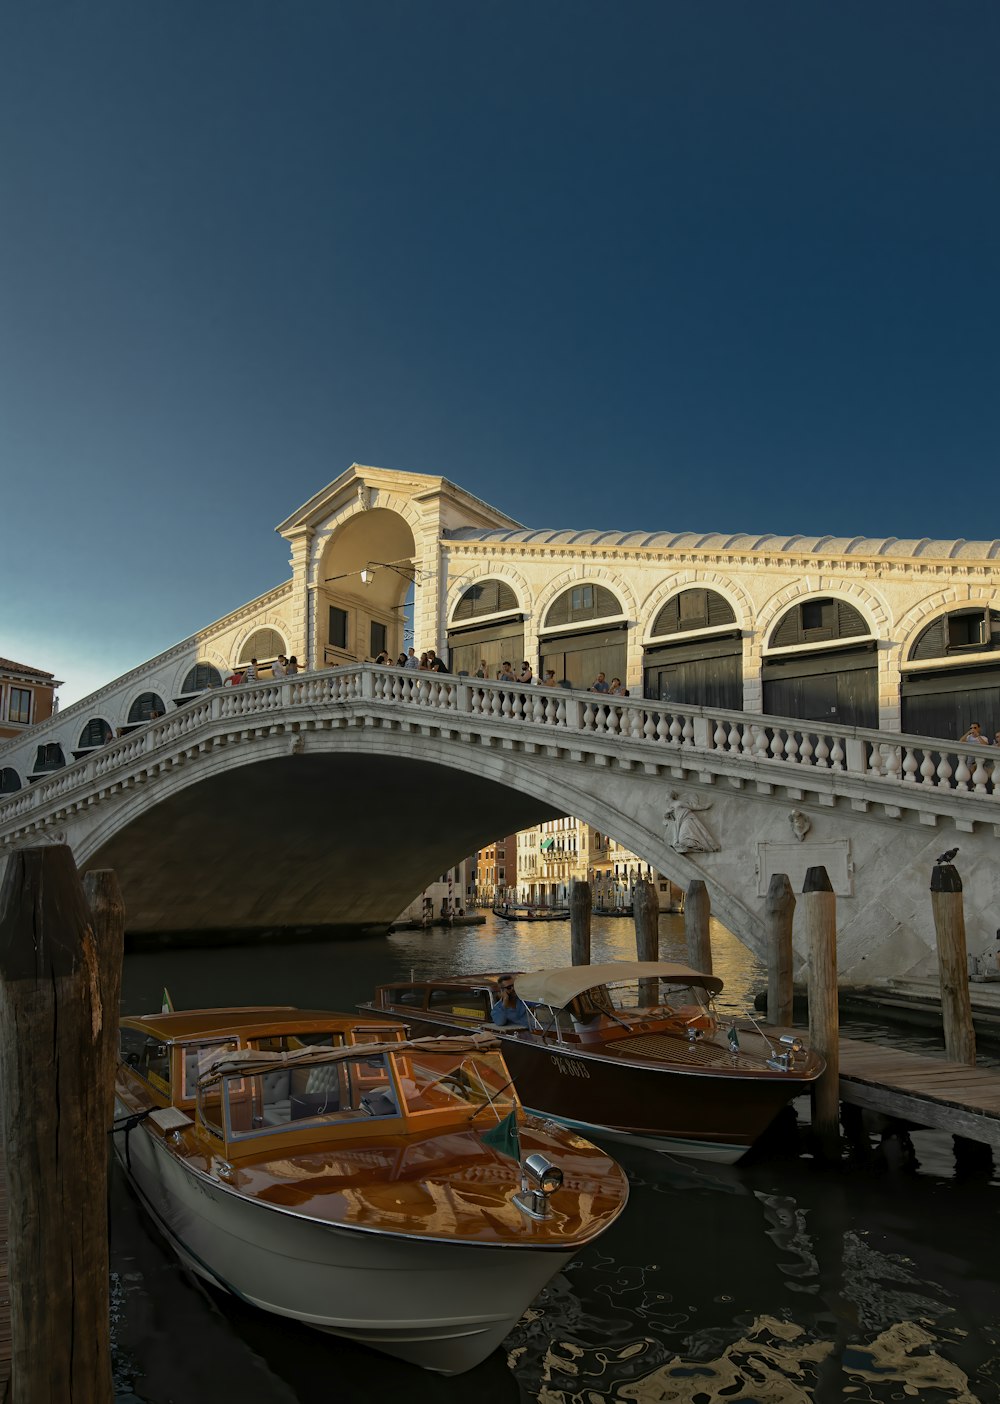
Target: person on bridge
[[525, 675], [618, 688], [250, 672], [482, 671], [510, 1009], [293, 666], [412, 661], [279, 667], [600, 684], [974, 735]]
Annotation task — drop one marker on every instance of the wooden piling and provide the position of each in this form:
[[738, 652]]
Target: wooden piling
[[779, 910], [646, 915], [107, 914], [697, 914], [953, 965], [580, 909], [54, 1027], [819, 911]]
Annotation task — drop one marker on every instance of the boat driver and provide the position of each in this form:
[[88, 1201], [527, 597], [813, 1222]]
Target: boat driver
[[510, 1008]]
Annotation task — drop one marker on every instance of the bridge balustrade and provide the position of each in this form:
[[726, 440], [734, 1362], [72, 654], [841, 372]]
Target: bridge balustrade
[[885, 760]]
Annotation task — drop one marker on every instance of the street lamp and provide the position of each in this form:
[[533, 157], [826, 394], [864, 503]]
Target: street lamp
[[406, 569]]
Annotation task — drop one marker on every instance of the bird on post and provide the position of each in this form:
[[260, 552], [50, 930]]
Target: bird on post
[[947, 857]]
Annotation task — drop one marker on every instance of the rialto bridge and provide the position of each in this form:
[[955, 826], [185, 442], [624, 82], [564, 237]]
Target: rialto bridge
[[770, 683]]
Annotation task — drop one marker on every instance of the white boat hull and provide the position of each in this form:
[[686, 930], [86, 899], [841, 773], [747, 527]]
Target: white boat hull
[[440, 1304]]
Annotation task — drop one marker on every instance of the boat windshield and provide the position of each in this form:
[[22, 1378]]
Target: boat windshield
[[288, 1042], [466, 1083], [262, 1100]]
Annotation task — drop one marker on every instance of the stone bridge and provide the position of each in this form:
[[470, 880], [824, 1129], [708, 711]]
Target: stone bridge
[[331, 797]]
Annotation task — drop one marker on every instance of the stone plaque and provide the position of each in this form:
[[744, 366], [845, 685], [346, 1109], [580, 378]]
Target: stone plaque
[[796, 858]]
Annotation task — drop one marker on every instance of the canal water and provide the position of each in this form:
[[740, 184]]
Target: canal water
[[775, 1281]]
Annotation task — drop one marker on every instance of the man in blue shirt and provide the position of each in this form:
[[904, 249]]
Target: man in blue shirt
[[510, 1008]]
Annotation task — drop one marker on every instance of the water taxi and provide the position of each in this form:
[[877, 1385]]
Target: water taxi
[[328, 1168], [631, 1050]]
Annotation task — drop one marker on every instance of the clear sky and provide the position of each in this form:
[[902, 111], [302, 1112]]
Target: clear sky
[[673, 264]]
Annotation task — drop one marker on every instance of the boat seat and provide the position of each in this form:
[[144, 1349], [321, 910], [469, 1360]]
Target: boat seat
[[276, 1106], [315, 1091]]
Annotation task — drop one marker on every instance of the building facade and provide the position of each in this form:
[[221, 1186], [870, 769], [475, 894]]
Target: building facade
[[27, 697], [553, 855]]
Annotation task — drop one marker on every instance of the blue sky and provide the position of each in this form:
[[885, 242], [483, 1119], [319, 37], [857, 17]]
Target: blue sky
[[688, 266]]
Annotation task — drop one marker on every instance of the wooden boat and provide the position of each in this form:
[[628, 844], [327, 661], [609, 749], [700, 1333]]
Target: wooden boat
[[327, 1168], [662, 1071], [515, 911]]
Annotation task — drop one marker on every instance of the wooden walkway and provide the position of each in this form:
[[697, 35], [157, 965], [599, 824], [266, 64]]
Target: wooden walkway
[[949, 1097]]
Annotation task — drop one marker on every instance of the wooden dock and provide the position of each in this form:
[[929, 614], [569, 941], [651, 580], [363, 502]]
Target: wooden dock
[[952, 1097]]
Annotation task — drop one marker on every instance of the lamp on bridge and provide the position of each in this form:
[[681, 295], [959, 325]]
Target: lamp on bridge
[[406, 569]]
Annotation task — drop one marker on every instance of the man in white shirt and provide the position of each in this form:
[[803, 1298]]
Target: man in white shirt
[[412, 661]]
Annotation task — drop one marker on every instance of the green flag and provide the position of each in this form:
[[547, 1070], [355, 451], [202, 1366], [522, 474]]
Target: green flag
[[503, 1137], [168, 1005]]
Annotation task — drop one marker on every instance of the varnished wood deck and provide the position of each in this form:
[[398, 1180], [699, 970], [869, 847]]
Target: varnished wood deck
[[951, 1097]]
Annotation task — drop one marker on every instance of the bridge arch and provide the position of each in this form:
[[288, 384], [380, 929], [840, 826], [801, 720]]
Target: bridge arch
[[144, 707], [10, 781], [193, 678], [209, 814], [358, 615], [264, 640], [96, 733]]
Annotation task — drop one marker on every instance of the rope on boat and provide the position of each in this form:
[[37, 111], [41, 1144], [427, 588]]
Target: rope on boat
[[128, 1125]]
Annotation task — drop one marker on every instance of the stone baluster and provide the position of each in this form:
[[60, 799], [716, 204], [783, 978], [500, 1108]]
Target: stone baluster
[[791, 748], [663, 729], [875, 760], [944, 773], [636, 718], [910, 767], [893, 761], [760, 742], [561, 718], [687, 732], [777, 747], [734, 739], [537, 707], [836, 755], [822, 753], [719, 737], [649, 727], [806, 749], [590, 717], [962, 774], [676, 732], [980, 775], [928, 771], [613, 721], [552, 712], [749, 745]]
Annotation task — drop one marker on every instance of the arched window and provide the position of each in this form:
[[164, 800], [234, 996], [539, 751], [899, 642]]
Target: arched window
[[582, 603], [959, 632], [817, 621], [494, 641], [699, 672], [578, 657], [147, 706], [263, 644], [201, 676], [828, 681], [488, 597], [49, 757], [955, 685], [97, 732], [692, 609], [10, 781]]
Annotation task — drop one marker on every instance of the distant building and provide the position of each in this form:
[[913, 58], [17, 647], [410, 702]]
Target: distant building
[[451, 895], [495, 870], [552, 855], [27, 696]]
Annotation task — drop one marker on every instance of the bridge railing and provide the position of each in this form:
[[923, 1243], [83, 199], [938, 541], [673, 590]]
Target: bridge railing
[[888, 760]]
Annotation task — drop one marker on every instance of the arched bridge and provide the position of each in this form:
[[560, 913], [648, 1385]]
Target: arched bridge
[[330, 798]]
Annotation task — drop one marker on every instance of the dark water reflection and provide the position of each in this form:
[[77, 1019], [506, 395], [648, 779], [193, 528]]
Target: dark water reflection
[[779, 1281]]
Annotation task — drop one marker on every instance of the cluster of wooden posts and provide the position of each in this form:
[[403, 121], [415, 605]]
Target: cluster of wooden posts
[[819, 928]]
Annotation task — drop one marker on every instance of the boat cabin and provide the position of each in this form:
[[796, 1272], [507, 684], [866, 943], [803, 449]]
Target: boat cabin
[[240, 1083]]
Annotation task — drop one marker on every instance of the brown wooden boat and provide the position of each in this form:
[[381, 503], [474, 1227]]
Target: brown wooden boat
[[327, 1168], [665, 1072]]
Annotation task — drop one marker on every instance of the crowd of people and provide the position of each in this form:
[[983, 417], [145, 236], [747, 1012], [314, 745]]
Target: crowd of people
[[282, 667], [974, 736]]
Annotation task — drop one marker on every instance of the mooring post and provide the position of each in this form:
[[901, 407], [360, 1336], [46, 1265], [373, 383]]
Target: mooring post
[[55, 1025], [646, 915], [697, 913], [819, 910], [779, 910], [107, 913], [953, 963], [579, 922]]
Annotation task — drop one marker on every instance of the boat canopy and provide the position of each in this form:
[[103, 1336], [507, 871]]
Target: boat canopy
[[254, 1060], [558, 987]]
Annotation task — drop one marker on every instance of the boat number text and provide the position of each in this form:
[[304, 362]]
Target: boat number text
[[569, 1068]]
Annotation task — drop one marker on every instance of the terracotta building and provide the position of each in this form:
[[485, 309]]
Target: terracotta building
[[27, 696]]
